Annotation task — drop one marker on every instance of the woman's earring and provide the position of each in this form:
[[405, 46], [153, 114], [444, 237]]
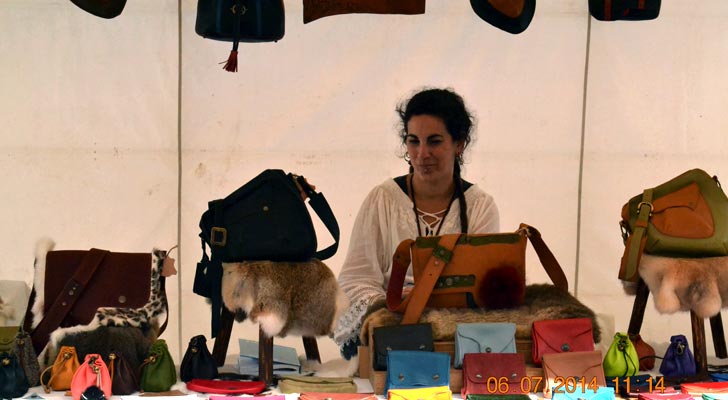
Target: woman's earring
[[407, 158], [459, 158]]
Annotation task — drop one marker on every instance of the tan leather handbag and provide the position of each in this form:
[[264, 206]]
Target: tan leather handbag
[[467, 271]]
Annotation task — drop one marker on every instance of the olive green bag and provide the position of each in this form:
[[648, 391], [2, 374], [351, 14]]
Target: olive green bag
[[301, 383], [7, 337], [621, 358], [686, 216], [158, 372]]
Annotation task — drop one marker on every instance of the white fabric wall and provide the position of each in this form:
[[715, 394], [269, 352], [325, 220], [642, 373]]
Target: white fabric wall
[[117, 132]]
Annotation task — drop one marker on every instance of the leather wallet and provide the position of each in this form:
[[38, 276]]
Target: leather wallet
[[304, 383], [409, 369], [560, 336], [493, 373], [584, 368], [483, 337], [426, 393], [579, 393], [666, 396], [700, 388], [400, 337], [225, 387], [336, 396]]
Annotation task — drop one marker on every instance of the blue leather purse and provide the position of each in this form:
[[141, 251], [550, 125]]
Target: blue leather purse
[[483, 337], [579, 393], [410, 369]]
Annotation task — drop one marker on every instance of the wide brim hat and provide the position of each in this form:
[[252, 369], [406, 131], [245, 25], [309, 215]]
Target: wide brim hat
[[512, 16], [101, 8]]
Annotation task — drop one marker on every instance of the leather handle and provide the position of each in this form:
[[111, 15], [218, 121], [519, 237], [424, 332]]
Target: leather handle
[[547, 258]]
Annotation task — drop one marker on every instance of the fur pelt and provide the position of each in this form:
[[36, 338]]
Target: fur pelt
[[683, 284], [542, 302], [130, 342], [298, 298]]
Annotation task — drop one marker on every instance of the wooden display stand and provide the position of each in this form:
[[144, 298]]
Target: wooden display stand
[[377, 378]]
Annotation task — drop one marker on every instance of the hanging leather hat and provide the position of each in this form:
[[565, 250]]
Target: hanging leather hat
[[102, 8], [512, 16], [628, 10], [315, 9]]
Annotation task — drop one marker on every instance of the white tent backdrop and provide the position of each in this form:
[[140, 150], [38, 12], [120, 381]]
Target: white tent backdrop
[[117, 132]]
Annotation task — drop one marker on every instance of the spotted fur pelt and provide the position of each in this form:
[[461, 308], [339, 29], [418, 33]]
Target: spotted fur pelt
[[147, 318], [542, 302], [683, 284], [298, 298]]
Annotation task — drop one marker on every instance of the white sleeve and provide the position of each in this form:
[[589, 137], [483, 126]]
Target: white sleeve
[[483, 214]]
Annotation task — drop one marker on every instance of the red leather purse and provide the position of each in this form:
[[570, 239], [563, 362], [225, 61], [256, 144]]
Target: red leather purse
[[225, 387], [561, 336], [494, 373]]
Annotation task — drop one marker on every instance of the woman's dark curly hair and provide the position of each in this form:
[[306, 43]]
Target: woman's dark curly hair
[[450, 108], [444, 104]]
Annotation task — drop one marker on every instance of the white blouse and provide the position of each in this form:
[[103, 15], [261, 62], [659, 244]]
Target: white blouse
[[384, 220]]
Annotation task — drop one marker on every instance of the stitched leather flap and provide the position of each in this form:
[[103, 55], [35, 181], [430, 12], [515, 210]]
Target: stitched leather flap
[[123, 280], [579, 364], [412, 369], [400, 337], [485, 337], [478, 367], [562, 335]]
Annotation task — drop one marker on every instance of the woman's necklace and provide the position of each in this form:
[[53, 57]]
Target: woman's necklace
[[437, 218]]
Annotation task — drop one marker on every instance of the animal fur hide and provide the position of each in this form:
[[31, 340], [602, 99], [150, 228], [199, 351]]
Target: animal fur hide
[[684, 284], [543, 301], [299, 298]]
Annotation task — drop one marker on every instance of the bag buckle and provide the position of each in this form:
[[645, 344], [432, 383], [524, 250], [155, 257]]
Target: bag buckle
[[644, 203], [214, 233]]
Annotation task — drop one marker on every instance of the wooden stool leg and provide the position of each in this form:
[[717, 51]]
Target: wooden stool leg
[[638, 309], [265, 357], [699, 348], [716, 329], [222, 340], [311, 347]]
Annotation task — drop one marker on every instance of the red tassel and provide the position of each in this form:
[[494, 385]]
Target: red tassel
[[232, 62]]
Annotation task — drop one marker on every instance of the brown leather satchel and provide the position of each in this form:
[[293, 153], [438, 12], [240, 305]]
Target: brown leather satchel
[[572, 372], [315, 9], [464, 270], [77, 283]]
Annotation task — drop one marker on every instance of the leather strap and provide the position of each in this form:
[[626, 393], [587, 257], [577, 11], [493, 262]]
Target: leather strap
[[636, 241], [323, 210], [413, 305], [63, 304]]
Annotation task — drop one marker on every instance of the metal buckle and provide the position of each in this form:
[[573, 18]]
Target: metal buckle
[[222, 232], [644, 203]]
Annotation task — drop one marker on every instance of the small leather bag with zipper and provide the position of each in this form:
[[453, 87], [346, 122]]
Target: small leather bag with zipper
[[197, 362], [678, 361], [158, 372], [13, 383], [92, 372], [400, 337], [493, 373], [416, 369], [59, 375], [483, 337], [558, 367], [560, 336], [124, 379], [423, 393], [621, 358]]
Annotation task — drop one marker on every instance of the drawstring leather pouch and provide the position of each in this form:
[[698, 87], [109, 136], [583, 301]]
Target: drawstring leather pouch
[[93, 372], [197, 362], [123, 378], [621, 358], [60, 373], [12, 378], [678, 361]]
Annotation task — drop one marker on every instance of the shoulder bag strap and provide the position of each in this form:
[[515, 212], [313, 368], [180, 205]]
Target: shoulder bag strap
[[548, 261], [323, 210], [63, 304], [417, 299], [636, 241], [400, 265]]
